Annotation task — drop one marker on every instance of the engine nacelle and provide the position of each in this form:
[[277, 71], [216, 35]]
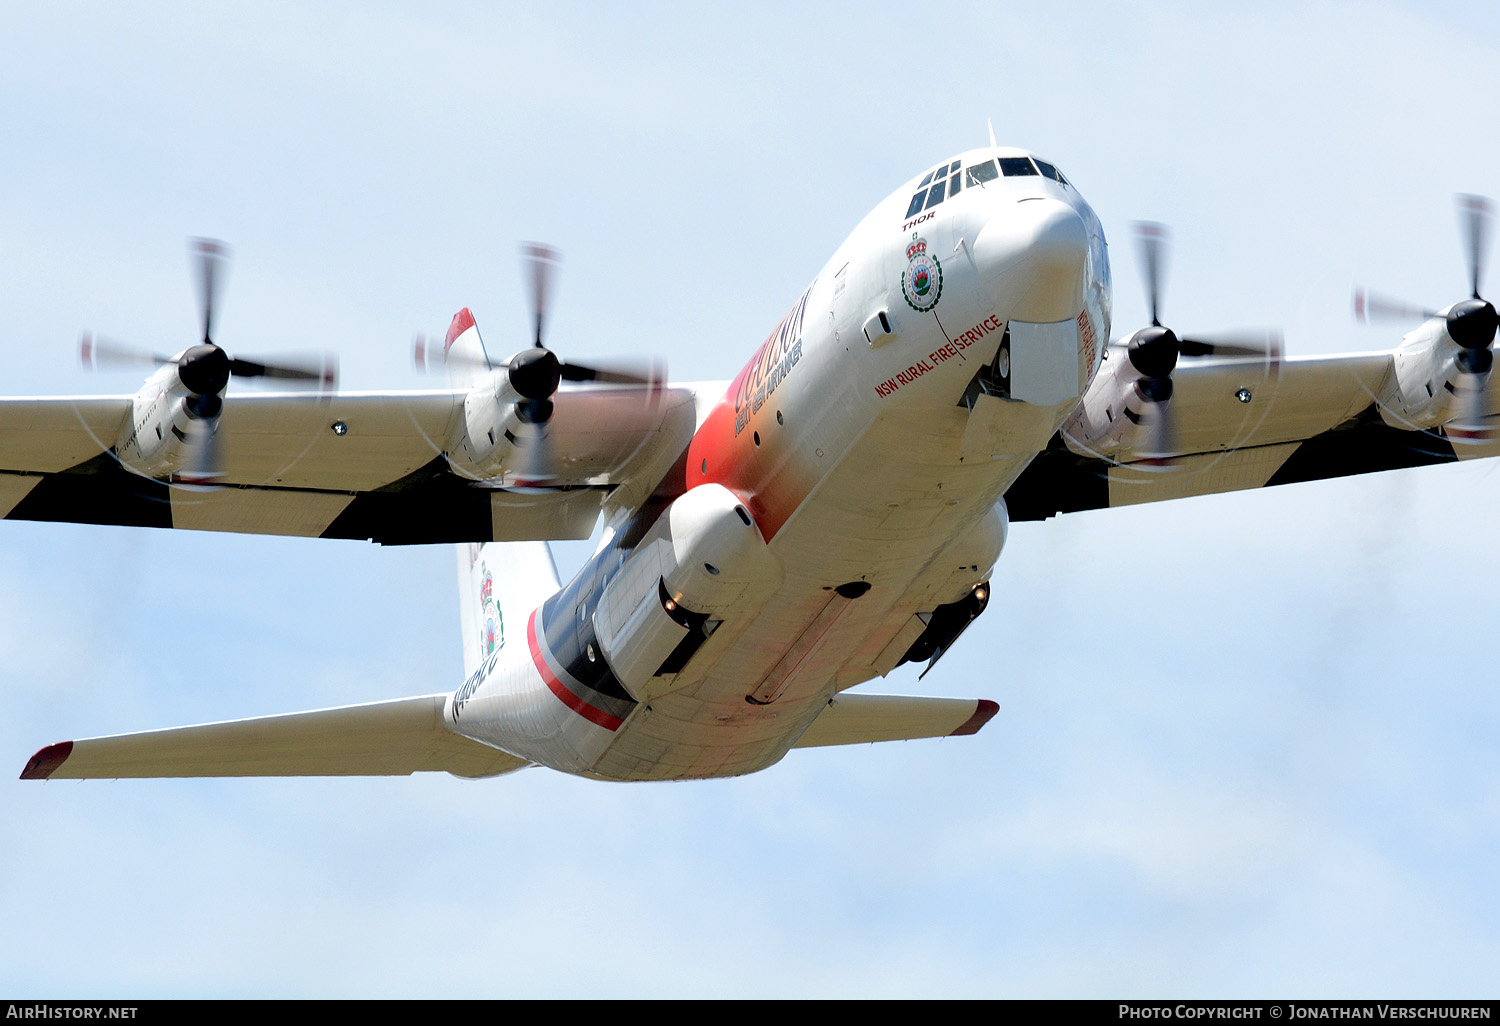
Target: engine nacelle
[[489, 438], [155, 440], [703, 557], [1115, 415], [1433, 379]]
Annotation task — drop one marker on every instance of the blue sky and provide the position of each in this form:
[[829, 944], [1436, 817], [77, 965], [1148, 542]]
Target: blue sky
[[1245, 745]]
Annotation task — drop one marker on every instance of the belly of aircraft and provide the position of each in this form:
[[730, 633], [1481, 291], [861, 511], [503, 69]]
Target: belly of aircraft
[[889, 509]]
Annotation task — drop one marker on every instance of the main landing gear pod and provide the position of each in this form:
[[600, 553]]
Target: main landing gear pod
[[702, 557], [958, 582]]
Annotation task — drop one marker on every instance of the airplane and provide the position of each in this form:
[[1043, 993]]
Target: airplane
[[768, 544]]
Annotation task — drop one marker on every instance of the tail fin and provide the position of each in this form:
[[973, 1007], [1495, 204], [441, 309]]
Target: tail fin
[[463, 351], [499, 584]]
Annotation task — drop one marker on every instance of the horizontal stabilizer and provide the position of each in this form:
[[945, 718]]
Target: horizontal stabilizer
[[394, 738], [862, 719]]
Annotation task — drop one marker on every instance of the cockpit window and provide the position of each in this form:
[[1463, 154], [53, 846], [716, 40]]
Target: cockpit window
[[943, 187], [1014, 166], [981, 173], [1051, 172]]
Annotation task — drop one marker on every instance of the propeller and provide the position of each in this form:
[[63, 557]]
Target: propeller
[[204, 369], [539, 261], [1154, 351], [536, 372], [1471, 323]]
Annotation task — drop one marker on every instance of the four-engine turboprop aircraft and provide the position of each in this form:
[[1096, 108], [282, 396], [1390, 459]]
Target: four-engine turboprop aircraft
[[768, 545]]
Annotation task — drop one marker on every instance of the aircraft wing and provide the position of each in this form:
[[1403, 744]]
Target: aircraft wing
[[352, 465], [1309, 419], [382, 738]]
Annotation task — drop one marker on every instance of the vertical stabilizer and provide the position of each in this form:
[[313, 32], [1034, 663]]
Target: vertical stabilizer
[[463, 351], [499, 584]]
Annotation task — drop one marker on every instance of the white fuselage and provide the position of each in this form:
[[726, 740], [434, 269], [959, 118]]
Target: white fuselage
[[869, 449]]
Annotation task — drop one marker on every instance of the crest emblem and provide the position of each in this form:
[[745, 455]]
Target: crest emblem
[[492, 636], [922, 281]]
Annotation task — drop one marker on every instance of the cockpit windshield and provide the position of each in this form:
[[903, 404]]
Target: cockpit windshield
[[945, 181]]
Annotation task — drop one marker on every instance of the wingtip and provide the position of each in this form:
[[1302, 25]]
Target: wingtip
[[984, 711], [45, 763]]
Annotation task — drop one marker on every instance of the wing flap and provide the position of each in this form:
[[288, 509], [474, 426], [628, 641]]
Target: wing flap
[[864, 719], [393, 738]]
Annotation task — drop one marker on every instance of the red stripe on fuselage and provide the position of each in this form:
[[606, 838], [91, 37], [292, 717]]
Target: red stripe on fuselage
[[557, 687]]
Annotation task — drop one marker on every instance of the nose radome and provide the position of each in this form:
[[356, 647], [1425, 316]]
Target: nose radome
[[1032, 258]]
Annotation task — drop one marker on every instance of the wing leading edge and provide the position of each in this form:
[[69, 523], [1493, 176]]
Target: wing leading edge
[[1315, 418], [356, 465]]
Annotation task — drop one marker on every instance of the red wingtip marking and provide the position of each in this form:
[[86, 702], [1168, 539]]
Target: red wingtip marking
[[462, 322], [44, 763], [982, 715]]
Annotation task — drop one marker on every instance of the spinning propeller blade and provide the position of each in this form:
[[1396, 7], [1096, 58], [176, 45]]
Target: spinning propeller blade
[[1154, 351], [204, 369], [1471, 323]]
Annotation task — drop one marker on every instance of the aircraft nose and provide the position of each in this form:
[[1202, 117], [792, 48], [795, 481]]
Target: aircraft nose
[[1032, 259]]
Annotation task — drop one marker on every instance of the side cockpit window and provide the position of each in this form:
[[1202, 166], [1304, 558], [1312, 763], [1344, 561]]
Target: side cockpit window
[[1051, 172], [946, 182], [981, 173]]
